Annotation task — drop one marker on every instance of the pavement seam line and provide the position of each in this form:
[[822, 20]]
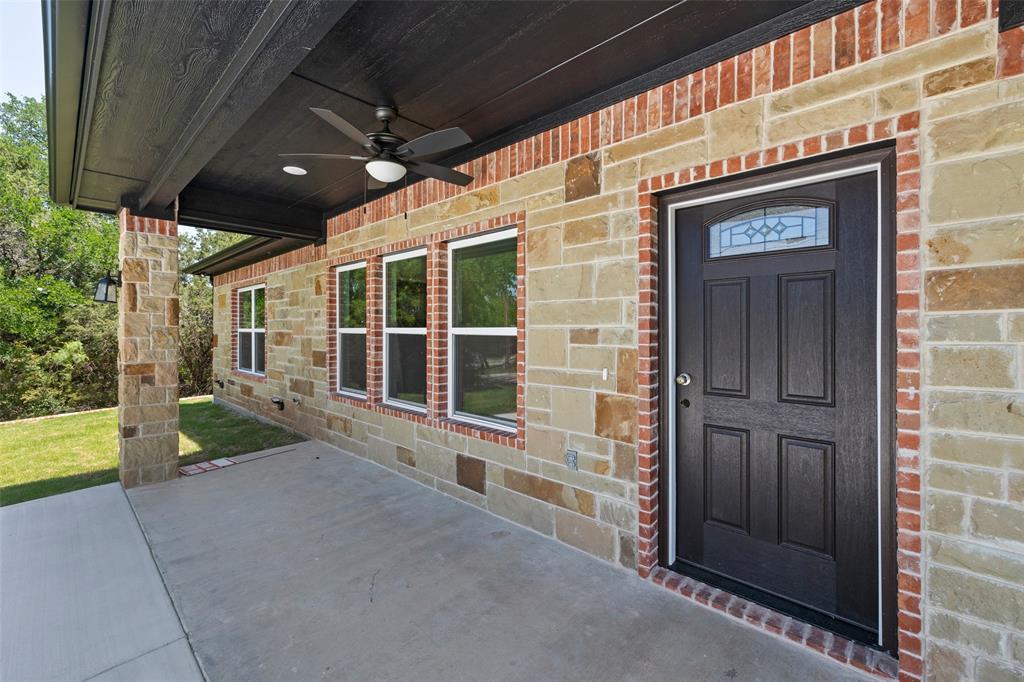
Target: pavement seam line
[[163, 581], [133, 658]]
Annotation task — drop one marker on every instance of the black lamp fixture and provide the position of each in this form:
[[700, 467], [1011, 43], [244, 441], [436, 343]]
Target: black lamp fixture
[[106, 290]]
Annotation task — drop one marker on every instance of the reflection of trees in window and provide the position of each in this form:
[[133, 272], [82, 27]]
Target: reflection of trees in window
[[407, 292]]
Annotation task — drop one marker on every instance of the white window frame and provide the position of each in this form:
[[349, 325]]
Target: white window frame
[[339, 330], [453, 331], [252, 339], [387, 260]]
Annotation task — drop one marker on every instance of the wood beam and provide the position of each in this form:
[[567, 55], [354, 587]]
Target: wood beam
[[277, 44], [219, 211]]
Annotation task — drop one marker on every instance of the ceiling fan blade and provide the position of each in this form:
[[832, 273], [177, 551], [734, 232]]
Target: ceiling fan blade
[[432, 143], [350, 157], [374, 183], [431, 170], [344, 126]]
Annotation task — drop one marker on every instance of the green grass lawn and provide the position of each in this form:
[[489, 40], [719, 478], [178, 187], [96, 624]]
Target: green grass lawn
[[49, 456]]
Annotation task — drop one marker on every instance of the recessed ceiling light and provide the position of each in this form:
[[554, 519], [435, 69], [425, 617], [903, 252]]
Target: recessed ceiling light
[[294, 170]]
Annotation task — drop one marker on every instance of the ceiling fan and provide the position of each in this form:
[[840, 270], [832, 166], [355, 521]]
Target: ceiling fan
[[389, 156]]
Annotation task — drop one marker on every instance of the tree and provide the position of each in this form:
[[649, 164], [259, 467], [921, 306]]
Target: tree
[[195, 367]]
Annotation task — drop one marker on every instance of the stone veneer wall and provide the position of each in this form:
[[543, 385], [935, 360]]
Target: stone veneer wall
[[934, 77], [147, 387]]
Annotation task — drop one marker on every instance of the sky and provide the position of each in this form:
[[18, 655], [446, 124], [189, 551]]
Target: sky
[[21, 48], [21, 51]]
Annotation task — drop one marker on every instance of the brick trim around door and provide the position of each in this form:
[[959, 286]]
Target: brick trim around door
[[903, 132]]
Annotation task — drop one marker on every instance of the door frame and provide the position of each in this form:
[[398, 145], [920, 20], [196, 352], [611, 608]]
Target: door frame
[[880, 160]]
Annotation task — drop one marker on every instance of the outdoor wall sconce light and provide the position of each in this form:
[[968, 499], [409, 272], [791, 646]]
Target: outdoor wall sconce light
[[220, 382], [277, 401], [106, 290]]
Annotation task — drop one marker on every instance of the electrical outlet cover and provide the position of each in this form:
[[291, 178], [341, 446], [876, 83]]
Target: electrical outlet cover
[[570, 460]]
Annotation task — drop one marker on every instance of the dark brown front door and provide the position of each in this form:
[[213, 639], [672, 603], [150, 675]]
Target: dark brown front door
[[777, 398]]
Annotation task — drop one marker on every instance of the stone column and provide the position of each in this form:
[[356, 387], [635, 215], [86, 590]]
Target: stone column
[[147, 337]]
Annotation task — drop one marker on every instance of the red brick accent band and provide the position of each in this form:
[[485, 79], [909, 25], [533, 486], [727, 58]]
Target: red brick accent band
[[437, 330]]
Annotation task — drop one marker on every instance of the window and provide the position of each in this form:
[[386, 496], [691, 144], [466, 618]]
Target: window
[[351, 330], [405, 329], [252, 329], [482, 344], [772, 227]]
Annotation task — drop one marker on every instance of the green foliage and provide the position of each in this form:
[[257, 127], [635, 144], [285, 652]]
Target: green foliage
[[58, 349]]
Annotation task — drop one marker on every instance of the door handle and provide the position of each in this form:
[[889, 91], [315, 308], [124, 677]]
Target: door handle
[[684, 379]]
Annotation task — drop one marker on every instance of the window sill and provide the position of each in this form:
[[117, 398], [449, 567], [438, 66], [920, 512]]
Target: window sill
[[251, 376]]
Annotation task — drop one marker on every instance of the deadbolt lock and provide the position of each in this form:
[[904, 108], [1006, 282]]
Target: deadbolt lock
[[684, 379]]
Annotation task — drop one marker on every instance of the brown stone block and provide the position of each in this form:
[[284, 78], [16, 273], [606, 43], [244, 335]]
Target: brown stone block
[[583, 177], [975, 288], [130, 295], [616, 417], [471, 473], [585, 231], [301, 386], [129, 431], [135, 270], [960, 76], [137, 369], [167, 374], [319, 358], [625, 371], [172, 312], [280, 339], [560, 494], [405, 455]]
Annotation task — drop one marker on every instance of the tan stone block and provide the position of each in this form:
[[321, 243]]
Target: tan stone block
[[736, 129], [945, 513], [1015, 487], [545, 347], [972, 596], [981, 366], [983, 327], [539, 397], [583, 176], [977, 188], [657, 140], [965, 480], [977, 288], [572, 410], [499, 454], [617, 336], [521, 509], [585, 534], [997, 671], [570, 379], [585, 231], [997, 521], [621, 175], [959, 102], [929, 56], [899, 98], [624, 462], [593, 312], [963, 632], [832, 116], [545, 443], [592, 358], [616, 417], [543, 247], [553, 492], [593, 252], [977, 559], [1015, 327], [674, 158], [986, 242], [617, 513], [469, 203], [399, 431], [981, 450], [986, 412], [560, 284], [946, 664], [617, 278], [978, 131], [624, 225], [589, 444], [534, 182], [960, 76]]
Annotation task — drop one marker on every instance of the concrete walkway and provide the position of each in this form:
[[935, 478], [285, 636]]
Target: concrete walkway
[[313, 564], [80, 596]]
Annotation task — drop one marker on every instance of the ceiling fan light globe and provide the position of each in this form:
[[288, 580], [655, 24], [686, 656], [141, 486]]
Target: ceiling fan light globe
[[384, 170]]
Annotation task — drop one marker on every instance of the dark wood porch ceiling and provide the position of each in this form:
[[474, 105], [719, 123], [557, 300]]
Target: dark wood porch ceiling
[[190, 99]]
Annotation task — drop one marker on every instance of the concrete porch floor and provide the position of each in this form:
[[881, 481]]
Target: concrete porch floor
[[314, 564]]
